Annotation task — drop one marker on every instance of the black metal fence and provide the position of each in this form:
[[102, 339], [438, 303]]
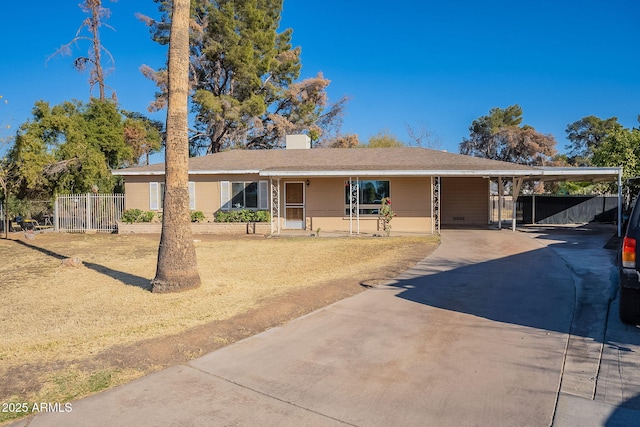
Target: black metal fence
[[543, 209]]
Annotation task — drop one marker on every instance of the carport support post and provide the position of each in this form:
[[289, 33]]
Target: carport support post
[[500, 200], [620, 202], [515, 189], [533, 208]]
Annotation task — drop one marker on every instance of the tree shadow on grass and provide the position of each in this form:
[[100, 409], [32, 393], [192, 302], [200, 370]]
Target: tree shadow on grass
[[121, 276]]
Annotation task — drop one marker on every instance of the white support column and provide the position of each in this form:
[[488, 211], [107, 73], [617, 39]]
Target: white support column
[[533, 208], [500, 201], [358, 204], [490, 204], [620, 203], [517, 185], [87, 212]]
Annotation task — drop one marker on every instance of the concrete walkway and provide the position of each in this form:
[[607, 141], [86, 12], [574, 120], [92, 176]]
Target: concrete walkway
[[493, 329]]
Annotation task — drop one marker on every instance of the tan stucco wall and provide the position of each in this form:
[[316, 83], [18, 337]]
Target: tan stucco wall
[[325, 201], [207, 191], [136, 191], [464, 202], [410, 199]]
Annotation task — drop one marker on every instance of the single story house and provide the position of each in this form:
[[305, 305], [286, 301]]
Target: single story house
[[340, 189]]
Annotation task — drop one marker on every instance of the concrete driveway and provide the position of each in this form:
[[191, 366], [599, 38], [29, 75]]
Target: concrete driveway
[[494, 328]]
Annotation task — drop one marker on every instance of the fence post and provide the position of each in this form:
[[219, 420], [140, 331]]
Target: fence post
[[55, 214], [87, 212]]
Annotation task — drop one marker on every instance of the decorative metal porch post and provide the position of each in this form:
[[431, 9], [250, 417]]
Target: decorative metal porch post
[[275, 205], [435, 205], [354, 204]]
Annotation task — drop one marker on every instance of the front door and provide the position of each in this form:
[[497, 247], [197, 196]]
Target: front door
[[294, 205]]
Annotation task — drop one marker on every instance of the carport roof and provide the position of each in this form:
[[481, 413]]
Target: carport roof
[[578, 174], [398, 161]]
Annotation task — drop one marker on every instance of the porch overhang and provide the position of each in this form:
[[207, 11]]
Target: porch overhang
[[582, 174]]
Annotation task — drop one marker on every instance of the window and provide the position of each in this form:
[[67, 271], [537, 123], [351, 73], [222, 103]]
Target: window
[[371, 193], [244, 195], [156, 195]]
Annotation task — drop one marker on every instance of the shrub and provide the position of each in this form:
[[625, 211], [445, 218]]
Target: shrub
[[263, 216], [148, 216], [243, 215], [136, 215], [221, 217], [387, 214], [197, 216]]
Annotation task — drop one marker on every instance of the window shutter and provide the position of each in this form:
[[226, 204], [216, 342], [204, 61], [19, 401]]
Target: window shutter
[[153, 196], [225, 199], [263, 194], [192, 195]]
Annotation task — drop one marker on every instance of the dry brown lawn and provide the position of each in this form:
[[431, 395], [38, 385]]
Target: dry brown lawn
[[67, 332]]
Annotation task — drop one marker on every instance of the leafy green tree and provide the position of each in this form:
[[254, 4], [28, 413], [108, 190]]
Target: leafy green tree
[[586, 135], [244, 75], [36, 143], [620, 147], [384, 139], [482, 141], [500, 136], [70, 147], [142, 135], [6, 179], [104, 130]]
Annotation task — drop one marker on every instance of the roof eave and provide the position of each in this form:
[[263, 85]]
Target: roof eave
[[197, 172], [355, 172]]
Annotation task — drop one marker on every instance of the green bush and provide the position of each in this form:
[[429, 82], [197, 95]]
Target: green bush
[[136, 215], [221, 217], [148, 216], [243, 215], [197, 216], [263, 216]]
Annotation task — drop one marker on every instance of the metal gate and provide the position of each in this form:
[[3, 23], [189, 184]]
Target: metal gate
[[506, 210], [88, 212]]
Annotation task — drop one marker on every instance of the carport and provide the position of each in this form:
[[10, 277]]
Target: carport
[[560, 174]]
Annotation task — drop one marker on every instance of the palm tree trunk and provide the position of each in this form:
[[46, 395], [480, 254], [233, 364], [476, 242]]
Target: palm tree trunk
[[177, 268]]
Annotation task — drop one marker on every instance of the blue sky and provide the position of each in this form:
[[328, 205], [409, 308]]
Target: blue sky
[[428, 64]]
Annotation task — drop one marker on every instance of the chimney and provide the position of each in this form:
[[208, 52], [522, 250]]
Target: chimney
[[298, 142]]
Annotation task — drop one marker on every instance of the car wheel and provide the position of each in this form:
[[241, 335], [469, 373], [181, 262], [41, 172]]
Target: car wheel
[[630, 305]]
